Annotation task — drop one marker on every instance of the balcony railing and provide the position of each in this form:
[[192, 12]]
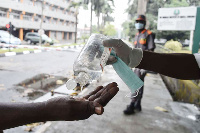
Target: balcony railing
[[37, 10], [35, 25]]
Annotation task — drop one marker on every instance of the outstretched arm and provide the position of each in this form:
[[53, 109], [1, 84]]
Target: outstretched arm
[[15, 114], [57, 109], [176, 65], [181, 66]]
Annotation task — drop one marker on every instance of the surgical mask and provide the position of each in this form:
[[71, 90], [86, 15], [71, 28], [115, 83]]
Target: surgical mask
[[139, 26]]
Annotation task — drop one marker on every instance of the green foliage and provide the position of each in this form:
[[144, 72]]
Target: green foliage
[[132, 8], [175, 35], [194, 2], [154, 5], [109, 30], [177, 3], [94, 29], [84, 37], [152, 17], [173, 45], [126, 29]]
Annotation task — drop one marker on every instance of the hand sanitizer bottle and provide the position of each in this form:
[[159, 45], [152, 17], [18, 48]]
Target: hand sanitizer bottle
[[90, 62]]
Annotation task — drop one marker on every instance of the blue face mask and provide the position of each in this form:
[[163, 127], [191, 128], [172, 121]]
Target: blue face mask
[[139, 26]]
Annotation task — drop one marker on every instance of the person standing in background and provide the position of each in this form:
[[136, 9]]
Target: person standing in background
[[144, 39]]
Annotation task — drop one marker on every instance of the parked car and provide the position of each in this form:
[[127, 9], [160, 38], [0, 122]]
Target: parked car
[[5, 37], [33, 37]]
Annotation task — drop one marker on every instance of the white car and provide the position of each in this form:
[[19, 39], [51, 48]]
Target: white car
[[5, 37]]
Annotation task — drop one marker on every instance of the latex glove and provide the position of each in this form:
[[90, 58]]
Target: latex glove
[[131, 57], [69, 109], [142, 71]]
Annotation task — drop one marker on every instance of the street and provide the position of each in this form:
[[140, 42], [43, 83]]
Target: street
[[15, 69]]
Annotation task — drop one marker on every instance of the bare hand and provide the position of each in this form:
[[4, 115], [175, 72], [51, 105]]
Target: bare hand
[[69, 109]]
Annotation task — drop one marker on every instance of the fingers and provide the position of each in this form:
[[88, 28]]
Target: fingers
[[98, 108], [111, 60], [108, 87], [93, 92], [99, 93], [90, 109], [107, 96], [111, 43], [95, 96]]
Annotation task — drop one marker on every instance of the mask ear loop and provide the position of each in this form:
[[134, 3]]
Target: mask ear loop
[[133, 96]]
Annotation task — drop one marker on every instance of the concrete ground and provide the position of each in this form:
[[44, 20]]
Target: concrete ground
[[179, 118]]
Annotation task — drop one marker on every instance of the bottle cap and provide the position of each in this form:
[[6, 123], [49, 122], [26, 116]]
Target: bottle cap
[[71, 84]]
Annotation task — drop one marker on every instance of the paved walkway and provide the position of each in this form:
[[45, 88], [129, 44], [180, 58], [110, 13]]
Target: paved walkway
[[179, 118]]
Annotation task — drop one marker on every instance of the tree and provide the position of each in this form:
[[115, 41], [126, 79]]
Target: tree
[[94, 29], [126, 30], [101, 7], [152, 17], [76, 5], [109, 30], [194, 2], [132, 8], [177, 3], [106, 11]]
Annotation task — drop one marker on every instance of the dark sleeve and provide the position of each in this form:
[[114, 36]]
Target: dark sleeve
[[150, 42], [175, 65]]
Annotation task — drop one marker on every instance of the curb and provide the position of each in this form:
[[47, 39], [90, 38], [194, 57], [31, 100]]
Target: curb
[[38, 49], [21, 53]]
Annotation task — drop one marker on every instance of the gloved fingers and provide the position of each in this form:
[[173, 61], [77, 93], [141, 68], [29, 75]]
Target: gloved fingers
[[111, 60], [111, 43], [106, 97], [93, 92]]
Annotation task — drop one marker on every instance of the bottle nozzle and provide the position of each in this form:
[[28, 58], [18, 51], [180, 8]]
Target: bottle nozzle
[[82, 79], [71, 84]]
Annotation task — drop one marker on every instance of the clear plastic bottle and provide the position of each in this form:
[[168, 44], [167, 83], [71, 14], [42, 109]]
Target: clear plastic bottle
[[90, 62]]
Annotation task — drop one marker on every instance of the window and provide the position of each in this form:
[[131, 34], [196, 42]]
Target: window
[[26, 17], [2, 14], [31, 35], [30, 3], [14, 15]]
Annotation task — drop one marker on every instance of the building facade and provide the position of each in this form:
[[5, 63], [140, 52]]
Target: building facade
[[26, 15]]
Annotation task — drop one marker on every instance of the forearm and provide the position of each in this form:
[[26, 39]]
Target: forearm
[[181, 66], [17, 114]]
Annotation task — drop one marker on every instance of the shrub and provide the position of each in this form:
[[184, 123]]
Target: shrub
[[173, 45]]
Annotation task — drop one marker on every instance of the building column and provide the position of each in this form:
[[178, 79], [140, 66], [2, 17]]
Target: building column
[[48, 33], [63, 35], [67, 35], [72, 35], [21, 16], [33, 16], [8, 14], [21, 34]]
